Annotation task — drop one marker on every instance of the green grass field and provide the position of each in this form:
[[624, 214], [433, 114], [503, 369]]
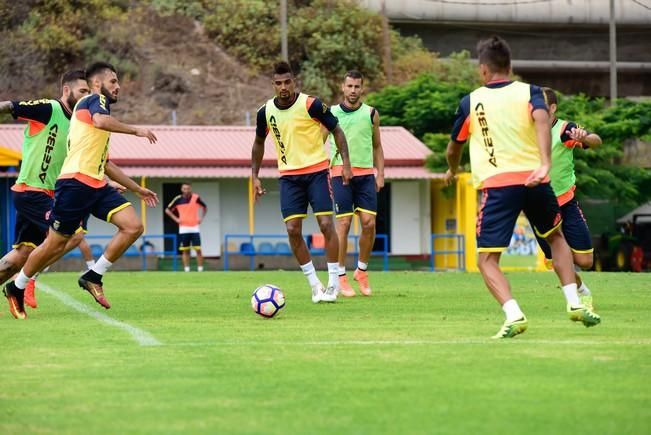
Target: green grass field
[[414, 358]]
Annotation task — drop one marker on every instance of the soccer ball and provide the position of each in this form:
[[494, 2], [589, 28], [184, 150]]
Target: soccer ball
[[267, 300]]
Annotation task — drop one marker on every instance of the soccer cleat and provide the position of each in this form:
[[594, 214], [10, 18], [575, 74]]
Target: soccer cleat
[[583, 314], [96, 290], [30, 297], [587, 301], [511, 329], [361, 276], [15, 297], [317, 293], [330, 294], [344, 287]]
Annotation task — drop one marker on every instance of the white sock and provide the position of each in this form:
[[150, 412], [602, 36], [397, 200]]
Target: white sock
[[584, 290], [571, 294], [342, 270], [310, 273], [21, 280], [186, 268], [90, 264], [333, 275], [199, 268], [102, 265], [46, 269], [512, 310], [362, 266]]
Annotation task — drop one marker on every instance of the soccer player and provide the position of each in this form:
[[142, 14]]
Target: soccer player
[[507, 123], [187, 205], [82, 189], [295, 121], [566, 136], [44, 150], [361, 125]]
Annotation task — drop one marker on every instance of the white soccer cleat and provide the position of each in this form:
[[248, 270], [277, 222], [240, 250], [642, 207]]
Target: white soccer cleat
[[317, 293], [330, 294]]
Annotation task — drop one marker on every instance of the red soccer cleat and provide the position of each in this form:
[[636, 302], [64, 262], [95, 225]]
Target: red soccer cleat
[[30, 297]]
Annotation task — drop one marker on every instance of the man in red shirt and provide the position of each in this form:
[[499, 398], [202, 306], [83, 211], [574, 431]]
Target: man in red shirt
[[184, 210]]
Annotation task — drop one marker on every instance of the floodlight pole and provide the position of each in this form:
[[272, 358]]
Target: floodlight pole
[[613, 54], [283, 30]]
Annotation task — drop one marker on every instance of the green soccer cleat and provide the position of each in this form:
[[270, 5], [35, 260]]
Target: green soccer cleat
[[583, 314], [511, 329], [587, 301]]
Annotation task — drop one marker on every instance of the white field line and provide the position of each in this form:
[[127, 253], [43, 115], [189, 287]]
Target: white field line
[[517, 341], [142, 337]]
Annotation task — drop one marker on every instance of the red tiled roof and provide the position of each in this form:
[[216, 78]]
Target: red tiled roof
[[220, 145], [390, 172]]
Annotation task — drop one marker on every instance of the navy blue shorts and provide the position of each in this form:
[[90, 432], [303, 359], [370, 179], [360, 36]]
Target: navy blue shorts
[[189, 239], [32, 211], [358, 196], [575, 230], [501, 207], [296, 191], [74, 201]]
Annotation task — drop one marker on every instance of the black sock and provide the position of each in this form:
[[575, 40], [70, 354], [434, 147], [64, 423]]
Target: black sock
[[92, 276]]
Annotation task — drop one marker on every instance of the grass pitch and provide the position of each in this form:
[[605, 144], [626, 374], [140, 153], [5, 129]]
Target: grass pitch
[[414, 358]]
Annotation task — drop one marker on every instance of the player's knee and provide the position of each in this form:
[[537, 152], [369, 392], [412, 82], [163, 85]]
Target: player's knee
[[23, 251], [368, 225], [327, 228], [584, 261], [134, 230], [294, 230]]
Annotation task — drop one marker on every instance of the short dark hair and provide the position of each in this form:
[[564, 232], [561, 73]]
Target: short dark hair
[[72, 75], [189, 183], [550, 96], [495, 53], [99, 68], [282, 67], [354, 74]]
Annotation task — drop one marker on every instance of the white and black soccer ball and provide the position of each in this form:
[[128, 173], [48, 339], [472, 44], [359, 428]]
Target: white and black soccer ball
[[267, 300]]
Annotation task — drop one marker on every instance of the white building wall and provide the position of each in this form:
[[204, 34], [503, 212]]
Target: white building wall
[[410, 217], [227, 201]]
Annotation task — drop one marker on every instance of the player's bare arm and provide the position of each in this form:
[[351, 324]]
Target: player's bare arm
[[109, 123], [116, 174], [257, 153], [592, 140], [342, 149], [172, 216], [453, 156], [6, 106], [378, 153], [543, 135]]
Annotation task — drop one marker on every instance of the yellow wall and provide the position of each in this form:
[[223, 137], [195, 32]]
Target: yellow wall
[[459, 204], [456, 206]]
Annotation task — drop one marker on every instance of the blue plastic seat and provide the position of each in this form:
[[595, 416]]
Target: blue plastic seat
[[75, 253], [266, 248], [247, 248], [96, 250], [282, 248]]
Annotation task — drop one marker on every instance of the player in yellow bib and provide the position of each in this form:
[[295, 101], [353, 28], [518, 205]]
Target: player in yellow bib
[[294, 120], [361, 124], [81, 188], [507, 123]]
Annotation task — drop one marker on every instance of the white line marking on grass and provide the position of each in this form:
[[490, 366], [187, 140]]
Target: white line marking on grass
[[632, 342], [142, 337]]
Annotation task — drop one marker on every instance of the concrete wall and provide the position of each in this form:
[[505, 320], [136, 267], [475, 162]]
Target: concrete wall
[[410, 217]]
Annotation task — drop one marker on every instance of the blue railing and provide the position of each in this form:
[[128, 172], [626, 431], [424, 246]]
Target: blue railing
[[460, 252], [281, 247], [139, 248]]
